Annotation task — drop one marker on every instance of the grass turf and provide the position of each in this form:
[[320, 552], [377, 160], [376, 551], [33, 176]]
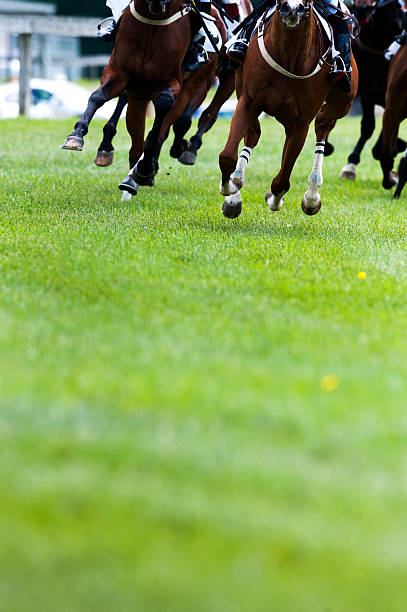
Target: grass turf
[[197, 414]]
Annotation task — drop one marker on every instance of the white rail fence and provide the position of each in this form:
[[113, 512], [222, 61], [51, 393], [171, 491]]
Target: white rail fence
[[27, 25]]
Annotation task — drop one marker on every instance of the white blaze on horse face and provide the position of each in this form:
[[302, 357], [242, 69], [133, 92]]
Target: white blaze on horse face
[[292, 20]]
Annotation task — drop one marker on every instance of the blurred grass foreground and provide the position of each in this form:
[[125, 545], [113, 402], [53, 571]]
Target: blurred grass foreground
[[199, 415]]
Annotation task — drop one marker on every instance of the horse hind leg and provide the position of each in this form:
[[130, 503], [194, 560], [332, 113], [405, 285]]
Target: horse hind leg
[[105, 153], [110, 89]]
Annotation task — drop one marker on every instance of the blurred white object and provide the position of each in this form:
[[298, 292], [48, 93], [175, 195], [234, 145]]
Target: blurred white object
[[50, 100]]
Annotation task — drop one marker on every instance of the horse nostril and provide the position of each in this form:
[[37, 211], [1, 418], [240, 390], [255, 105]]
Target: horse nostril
[[285, 9], [300, 9]]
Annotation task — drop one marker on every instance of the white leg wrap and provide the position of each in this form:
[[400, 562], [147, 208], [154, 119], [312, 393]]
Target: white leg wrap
[[315, 180], [237, 178]]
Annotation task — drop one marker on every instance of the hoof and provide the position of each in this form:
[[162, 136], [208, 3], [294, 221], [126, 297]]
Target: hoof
[[178, 148], [73, 143], [104, 158], [390, 181], [188, 158], [311, 211], [273, 202], [232, 206], [348, 172], [129, 185], [144, 180], [329, 149]]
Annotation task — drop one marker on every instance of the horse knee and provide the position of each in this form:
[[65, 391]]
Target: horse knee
[[164, 101]]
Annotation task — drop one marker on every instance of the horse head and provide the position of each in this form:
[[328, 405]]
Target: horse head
[[364, 10], [293, 12], [157, 7]]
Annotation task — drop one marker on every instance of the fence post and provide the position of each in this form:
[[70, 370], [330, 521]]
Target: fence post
[[24, 42]]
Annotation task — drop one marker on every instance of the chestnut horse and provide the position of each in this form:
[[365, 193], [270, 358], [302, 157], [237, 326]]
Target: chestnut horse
[[395, 112], [286, 75], [152, 40]]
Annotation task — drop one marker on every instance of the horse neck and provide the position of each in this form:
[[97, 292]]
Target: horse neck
[[296, 49]]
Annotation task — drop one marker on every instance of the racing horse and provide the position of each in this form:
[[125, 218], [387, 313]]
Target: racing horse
[[285, 74], [395, 112], [379, 25], [152, 40], [195, 87]]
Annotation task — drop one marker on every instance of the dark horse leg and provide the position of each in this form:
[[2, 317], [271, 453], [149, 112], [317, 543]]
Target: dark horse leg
[[209, 115], [104, 156], [147, 166], [111, 88], [402, 172], [390, 129], [366, 130]]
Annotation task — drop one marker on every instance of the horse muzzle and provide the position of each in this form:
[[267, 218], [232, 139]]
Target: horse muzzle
[[293, 12], [157, 7]]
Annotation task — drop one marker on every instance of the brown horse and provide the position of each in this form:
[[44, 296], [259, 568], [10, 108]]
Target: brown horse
[[286, 75], [395, 112], [152, 40], [195, 87]]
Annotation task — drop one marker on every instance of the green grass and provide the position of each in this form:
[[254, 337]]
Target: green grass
[[167, 443]]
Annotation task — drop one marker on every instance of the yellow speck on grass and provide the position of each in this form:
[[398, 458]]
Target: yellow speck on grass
[[330, 382], [361, 275]]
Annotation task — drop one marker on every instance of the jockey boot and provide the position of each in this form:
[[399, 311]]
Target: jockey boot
[[196, 55], [107, 30], [237, 48], [340, 75]]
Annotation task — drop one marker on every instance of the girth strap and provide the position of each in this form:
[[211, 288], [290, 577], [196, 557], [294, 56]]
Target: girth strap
[[159, 22]]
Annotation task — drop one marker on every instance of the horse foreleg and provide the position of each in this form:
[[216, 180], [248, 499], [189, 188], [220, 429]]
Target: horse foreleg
[[104, 155], [296, 134], [135, 122], [402, 172], [389, 136], [242, 118], [147, 166], [111, 88], [311, 202], [232, 205], [367, 126]]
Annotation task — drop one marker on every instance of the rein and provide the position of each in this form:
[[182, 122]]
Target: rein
[[273, 64], [159, 22]]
